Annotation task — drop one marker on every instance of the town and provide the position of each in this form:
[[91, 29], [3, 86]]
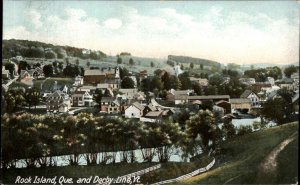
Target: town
[[182, 97]]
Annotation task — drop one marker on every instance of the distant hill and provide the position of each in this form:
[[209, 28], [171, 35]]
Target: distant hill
[[186, 59], [35, 49]]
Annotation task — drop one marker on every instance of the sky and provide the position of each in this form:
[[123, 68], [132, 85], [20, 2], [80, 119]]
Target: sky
[[243, 32]]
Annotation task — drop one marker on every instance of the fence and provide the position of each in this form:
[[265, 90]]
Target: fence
[[189, 175], [144, 171]]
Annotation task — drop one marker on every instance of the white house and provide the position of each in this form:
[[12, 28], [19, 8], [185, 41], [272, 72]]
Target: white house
[[255, 100], [81, 98], [78, 80], [58, 102], [178, 70], [135, 110]]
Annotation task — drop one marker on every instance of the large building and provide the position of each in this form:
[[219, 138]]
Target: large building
[[58, 102], [95, 76], [183, 99]]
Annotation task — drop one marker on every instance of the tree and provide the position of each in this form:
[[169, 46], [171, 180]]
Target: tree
[[201, 66], [185, 81], [166, 81], [72, 71], [48, 70], [275, 110], [50, 55], [98, 97], [202, 124], [60, 66], [123, 72], [32, 97], [10, 67], [127, 83], [229, 129], [290, 70], [197, 89], [191, 65], [152, 64], [156, 83], [131, 62], [119, 60], [23, 65]]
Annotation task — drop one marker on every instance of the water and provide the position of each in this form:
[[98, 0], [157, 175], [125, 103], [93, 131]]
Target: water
[[176, 156], [249, 121]]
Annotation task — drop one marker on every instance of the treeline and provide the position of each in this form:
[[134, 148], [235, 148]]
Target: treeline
[[37, 138], [33, 49]]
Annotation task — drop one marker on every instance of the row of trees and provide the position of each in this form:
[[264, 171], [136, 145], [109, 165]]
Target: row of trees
[[16, 98], [40, 137], [34, 49]]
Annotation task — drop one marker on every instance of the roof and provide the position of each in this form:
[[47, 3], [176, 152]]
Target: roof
[[221, 101], [138, 105], [87, 87], [92, 72], [246, 93], [287, 80], [151, 107], [239, 100], [154, 113], [103, 86], [295, 97], [210, 97], [107, 99], [125, 91]]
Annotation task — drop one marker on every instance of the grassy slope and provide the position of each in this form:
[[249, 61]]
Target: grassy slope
[[288, 164], [76, 171], [244, 154]]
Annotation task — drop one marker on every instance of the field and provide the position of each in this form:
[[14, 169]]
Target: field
[[47, 85], [241, 159]]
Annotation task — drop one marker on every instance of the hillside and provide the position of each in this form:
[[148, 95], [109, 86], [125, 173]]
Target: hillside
[[35, 49], [199, 61], [241, 159]]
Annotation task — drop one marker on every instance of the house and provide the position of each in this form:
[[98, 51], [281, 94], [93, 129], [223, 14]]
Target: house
[[26, 78], [110, 105], [37, 73], [178, 70], [78, 81], [133, 94], [201, 81], [149, 108], [182, 99], [259, 85], [226, 105], [5, 74], [143, 74], [288, 83], [114, 83], [295, 102], [58, 102], [247, 81], [82, 99], [89, 88], [95, 76], [135, 110], [253, 97], [240, 104], [172, 93]]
